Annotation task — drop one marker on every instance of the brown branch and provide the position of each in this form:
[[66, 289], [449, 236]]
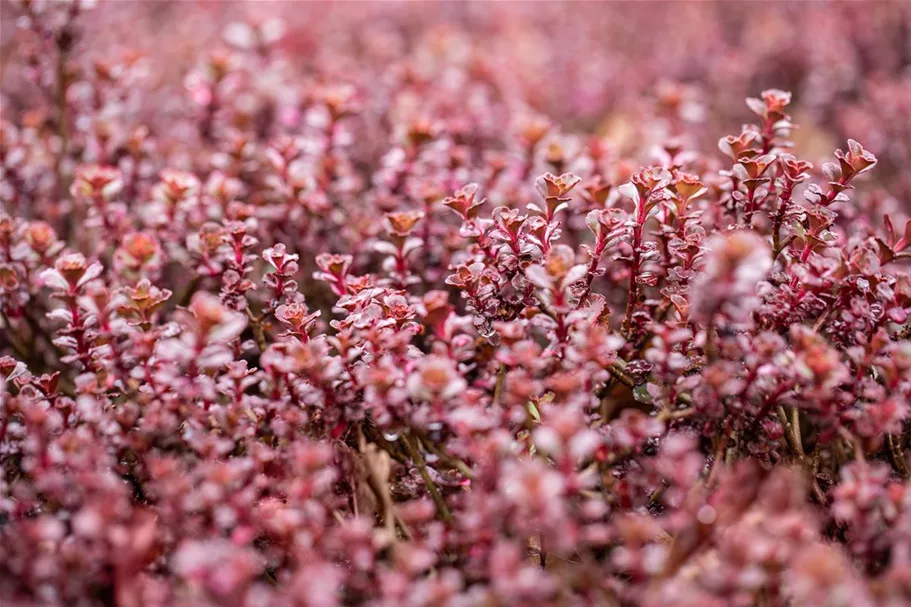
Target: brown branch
[[618, 372], [259, 334], [897, 455], [432, 488], [790, 420], [450, 461], [500, 385], [378, 470]]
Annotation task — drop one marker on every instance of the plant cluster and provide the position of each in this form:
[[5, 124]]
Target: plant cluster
[[378, 329]]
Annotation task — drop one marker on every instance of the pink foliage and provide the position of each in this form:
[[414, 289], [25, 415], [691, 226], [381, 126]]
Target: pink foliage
[[402, 304]]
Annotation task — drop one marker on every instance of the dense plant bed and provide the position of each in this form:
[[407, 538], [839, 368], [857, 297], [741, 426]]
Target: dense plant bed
[[381, 333]]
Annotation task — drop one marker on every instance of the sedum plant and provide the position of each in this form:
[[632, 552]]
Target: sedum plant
[[377, 324]]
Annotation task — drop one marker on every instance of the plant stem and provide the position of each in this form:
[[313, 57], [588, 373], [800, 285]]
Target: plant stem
[[898, 456], [501, 383], [432, 488]]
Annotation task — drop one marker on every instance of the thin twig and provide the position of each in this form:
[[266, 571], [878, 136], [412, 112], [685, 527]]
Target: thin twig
[[618, 372], [259, 334], [452, 462], [822, 319], [710, 342], [719, 453], [795, 442], [432, 488], [898, 456], [501, 383], [378, 479], [607, 404], [794, 415], [62, 129]]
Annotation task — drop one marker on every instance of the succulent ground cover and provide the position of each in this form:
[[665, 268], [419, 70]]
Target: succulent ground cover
[[468, 305]]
